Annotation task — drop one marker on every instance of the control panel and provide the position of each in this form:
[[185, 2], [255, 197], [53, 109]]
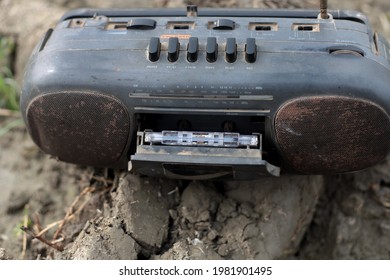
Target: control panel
[[234, 39]]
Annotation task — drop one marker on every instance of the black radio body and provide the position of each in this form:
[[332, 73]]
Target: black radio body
[[211, 93]]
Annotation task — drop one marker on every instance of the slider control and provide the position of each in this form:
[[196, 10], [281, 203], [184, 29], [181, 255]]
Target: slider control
[[141, 24], [231, 50], [211, 49], [224, 24], [173, 49], [192, 49], [154, 49], [250, 50]]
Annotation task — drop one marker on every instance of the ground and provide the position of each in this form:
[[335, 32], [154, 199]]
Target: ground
[[73, 212]]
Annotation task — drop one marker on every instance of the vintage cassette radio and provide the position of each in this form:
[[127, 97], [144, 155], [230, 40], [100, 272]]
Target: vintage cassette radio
[[211, 93]]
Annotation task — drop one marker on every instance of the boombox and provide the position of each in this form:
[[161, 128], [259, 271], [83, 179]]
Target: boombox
[[211, 93]]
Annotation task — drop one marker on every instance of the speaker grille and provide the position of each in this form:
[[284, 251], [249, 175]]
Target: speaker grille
[[331, 134], [80, 127]]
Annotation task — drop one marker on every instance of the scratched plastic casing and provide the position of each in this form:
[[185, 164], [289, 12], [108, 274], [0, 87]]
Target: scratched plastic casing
[[306, 71]]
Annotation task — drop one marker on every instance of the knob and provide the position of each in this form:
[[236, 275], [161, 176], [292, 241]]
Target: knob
[[154, 49], [173, 49], [231, 50], [211, 49], [192, 49], [250, 50]]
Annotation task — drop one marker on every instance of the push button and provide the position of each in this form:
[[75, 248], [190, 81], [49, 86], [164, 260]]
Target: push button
[[192, 49], [231, 50], [173, 49], [154, 49], [141, 24], [250, 50], [224, 24], [211, 49]]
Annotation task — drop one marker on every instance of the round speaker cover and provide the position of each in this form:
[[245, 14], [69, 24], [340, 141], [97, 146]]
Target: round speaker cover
[[332, 134], [85, 128]]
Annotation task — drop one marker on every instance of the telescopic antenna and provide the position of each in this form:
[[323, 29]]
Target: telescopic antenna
[[192, 11], [324, 9]]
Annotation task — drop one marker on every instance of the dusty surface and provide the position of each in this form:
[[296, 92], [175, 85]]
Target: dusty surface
[[352, 220], [107, 215]]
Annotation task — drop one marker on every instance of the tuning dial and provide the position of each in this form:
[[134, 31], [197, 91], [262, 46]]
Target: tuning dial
[[250, 50], [211, 49], [154, 49], [231, 50], [173, 49], [192, 49]]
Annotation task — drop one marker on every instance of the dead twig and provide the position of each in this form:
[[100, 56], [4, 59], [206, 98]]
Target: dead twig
[[61, 239], [40, 238], [37, 222], [73, 210], [25, 224], [70, 210], [69, 215], [102, 180], [48, 227]]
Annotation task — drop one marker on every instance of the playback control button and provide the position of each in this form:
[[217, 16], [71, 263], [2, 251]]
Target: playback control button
[[250, 50], [192, 49], [154, 49], [231, 50], [173, 49], [211, 49]]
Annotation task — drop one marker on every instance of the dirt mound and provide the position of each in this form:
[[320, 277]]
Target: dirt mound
[[150, 218]]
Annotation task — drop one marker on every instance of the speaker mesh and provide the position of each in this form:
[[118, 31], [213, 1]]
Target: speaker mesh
[[331, 134], [80, 127]]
